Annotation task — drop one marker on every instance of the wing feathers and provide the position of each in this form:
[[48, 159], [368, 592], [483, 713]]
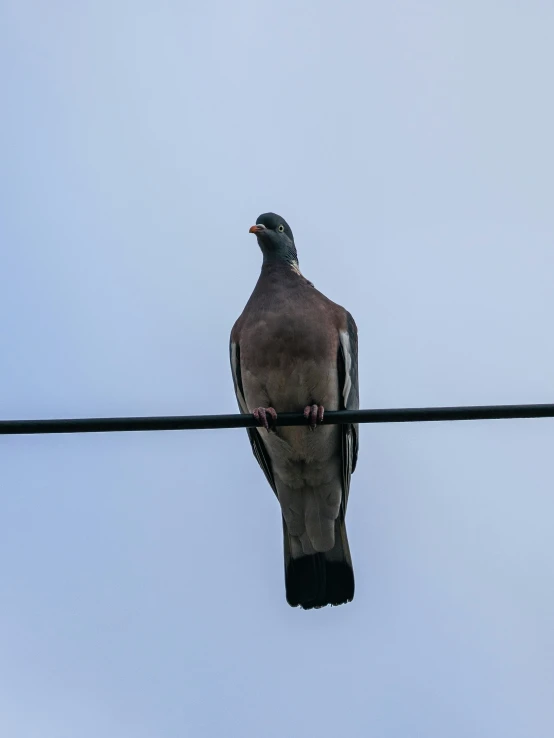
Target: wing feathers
[[258, 447], [348, 376], [237, 379]]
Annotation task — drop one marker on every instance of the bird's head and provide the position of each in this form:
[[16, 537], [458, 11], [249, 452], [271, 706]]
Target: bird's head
[[275, 239]]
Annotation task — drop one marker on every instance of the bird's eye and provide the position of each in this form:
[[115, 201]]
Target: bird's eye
[[281, 228]]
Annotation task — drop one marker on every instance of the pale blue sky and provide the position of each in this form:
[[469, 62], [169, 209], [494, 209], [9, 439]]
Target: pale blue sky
[[410, 147]]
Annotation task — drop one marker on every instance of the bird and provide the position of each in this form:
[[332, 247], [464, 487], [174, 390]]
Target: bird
[[294, 350]]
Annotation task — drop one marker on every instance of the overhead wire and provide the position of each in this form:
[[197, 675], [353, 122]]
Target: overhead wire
[[202, 422]]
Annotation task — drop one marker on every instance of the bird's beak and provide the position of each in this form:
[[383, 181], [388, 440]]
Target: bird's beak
[[257, 229]]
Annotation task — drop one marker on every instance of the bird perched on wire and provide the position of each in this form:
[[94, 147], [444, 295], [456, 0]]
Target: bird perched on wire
[[293, 350]]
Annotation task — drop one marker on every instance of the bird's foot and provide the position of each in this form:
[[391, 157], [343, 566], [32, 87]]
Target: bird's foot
[[261, 414], [314, 415]]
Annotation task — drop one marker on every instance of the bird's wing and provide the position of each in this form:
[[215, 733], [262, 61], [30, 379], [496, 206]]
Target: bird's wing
[[350, 400], [258, 446]]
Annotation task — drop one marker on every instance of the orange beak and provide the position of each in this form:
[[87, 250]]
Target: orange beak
[[256, 229]]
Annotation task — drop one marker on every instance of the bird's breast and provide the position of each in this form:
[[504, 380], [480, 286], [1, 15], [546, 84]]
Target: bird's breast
[[288, 364]]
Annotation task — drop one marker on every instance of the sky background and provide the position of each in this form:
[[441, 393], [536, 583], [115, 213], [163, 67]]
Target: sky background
[[410, 147]]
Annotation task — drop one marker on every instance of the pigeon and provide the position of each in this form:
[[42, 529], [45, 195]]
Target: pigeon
[[294, 350]]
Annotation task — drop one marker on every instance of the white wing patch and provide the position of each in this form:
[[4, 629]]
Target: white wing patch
[[240, 397], [345, 343]]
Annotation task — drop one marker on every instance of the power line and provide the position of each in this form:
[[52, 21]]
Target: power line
[[200, 422]]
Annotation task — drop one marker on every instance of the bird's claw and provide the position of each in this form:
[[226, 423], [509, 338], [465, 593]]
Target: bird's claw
[[261, 414], [314, 415]]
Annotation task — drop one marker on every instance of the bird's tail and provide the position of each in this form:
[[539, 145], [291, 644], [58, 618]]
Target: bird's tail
[[320, 579]]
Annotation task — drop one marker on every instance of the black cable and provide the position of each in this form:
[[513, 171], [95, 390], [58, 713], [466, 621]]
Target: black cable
[[199, 422]]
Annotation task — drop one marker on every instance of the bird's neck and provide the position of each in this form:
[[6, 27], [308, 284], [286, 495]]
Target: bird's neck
[[284, 254], [280, 266]]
